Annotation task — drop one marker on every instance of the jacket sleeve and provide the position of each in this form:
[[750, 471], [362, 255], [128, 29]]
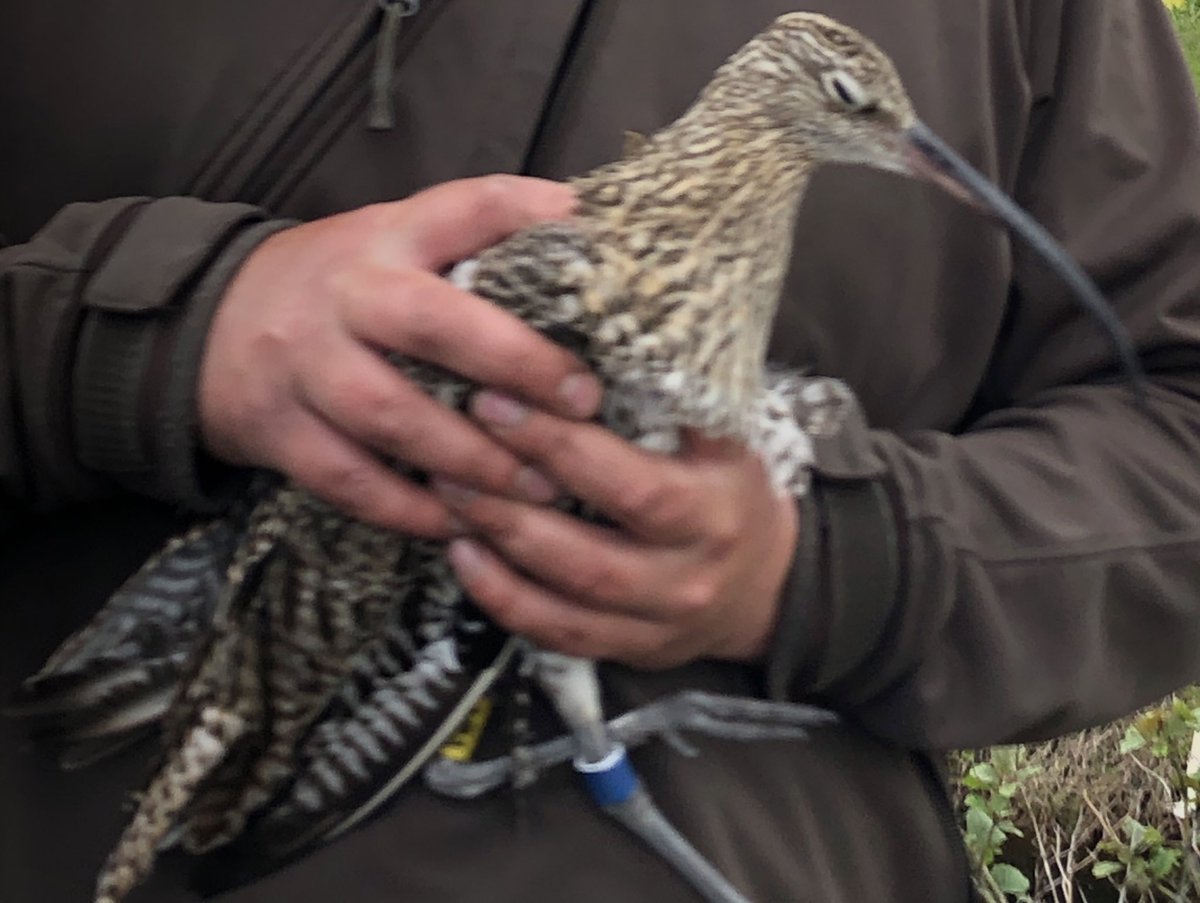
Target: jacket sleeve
[[1038, 571], [103, 316]]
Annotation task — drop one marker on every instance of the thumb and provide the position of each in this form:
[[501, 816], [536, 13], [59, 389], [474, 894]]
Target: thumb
[[455, 220]]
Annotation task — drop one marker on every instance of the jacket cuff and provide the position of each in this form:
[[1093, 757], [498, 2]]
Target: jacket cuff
[[845, 581], [146, 312]]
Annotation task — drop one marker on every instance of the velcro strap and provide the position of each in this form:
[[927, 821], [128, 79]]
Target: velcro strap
[[165, 246]]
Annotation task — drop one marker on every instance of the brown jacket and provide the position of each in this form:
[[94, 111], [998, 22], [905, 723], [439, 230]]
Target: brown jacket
[[1011, 549]]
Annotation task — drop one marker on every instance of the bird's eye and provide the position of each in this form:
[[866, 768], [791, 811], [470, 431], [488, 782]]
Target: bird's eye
[[845, 89]]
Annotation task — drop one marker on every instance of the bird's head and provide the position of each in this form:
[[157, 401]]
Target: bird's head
[[827, 94], [830, 93]]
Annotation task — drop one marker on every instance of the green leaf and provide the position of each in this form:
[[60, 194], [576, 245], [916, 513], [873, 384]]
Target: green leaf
[[1104, 869], [1009, 828], [985, 773], [1009, 879], [1163, 862], [1132, 740], [1151, 838], [980, 824], [1133, 829], [1005, 758], [982, 836]]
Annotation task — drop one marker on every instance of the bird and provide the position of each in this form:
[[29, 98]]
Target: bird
[[304, 665]]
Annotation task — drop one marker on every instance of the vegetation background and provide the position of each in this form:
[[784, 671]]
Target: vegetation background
[[1187, 21], [1106, 816]]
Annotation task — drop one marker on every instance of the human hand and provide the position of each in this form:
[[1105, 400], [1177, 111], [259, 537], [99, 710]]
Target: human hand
[[694, 567], [294, 376]]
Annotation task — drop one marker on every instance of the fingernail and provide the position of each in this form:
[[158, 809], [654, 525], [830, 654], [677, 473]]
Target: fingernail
[[582, 393], [534, 487], [466, 557], [498, 409], [454, 494]]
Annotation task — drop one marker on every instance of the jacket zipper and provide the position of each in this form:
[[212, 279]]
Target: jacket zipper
[[337, 103], [381, 117], [277, 142]]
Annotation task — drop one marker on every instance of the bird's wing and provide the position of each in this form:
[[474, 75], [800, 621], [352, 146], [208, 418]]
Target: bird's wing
[[116, 675], [546, 275]]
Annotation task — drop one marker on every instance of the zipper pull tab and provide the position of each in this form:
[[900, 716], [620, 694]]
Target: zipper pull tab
[[382, 116]]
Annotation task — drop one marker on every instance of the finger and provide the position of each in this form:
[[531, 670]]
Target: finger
[[651, 495], [589, 564], [352, 480], [699, 445], [449, 222], [440, 324], [367, 398], [548, 619]]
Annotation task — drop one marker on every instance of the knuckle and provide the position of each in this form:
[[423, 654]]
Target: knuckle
[[419, 327], [598, 580], [419, 521], [555, 444], [647, 501], [363, 493], [375, 226], [499, 473], [351, 487], [405, 507], [511, 346], [494, 195], [696, 595], [464, 456], [388, 423], [380, 216], [543, 442], [352, 284], [275, 342], [344, 390], [499, 521], [572, 639], [369, 409], [725, 531], [503, 603], [391, 303]]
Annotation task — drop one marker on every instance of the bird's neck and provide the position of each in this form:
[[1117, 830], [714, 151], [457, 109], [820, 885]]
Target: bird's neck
[[697, 167], [695, 236]]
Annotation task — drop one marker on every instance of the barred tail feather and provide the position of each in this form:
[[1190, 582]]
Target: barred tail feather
[[165, 799], [114, 678]]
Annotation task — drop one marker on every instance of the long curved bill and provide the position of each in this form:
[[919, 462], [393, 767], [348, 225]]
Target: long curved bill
[[934, 160]]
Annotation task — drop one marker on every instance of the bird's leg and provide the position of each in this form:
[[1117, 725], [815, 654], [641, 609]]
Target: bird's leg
[[574, 688], [714, 715]]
